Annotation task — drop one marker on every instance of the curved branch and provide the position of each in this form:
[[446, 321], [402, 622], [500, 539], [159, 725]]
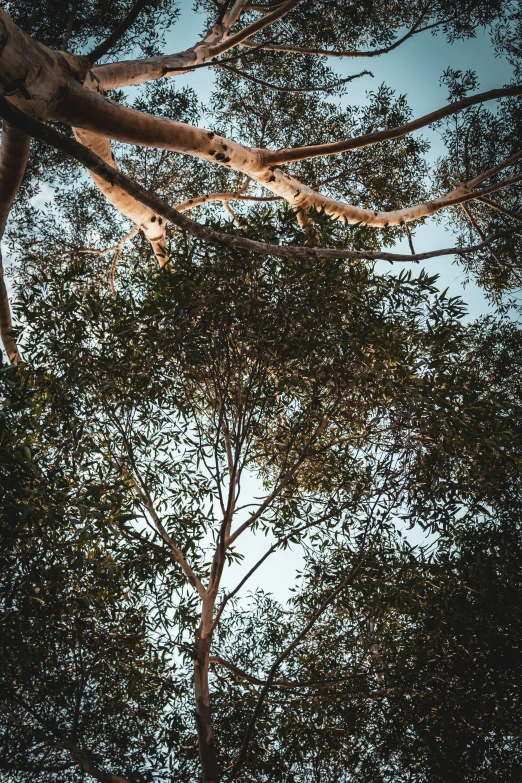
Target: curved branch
[[499, 208], [232, 214], [334, 148], [83, 757], [216, 659], [350, 53], [260, 562], [94, 252], [86, 109], [199, 201], [283, 655], [480, 178], [217, 41], [119, 248], [276, 88], [100, 168], [14, 153], [152, 225]]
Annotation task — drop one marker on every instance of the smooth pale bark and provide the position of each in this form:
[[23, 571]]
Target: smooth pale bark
[[206, 742], [13, 160], [152, 224], [89, 111], [31, 75], [207, 234], [228, 195], [216, 42], [86, 109]]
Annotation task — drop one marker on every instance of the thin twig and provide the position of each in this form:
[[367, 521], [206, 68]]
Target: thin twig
[[276, 88]]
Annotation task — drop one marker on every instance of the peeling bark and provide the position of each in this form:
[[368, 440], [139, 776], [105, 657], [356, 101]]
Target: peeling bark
[[88, 110], [207, 234]]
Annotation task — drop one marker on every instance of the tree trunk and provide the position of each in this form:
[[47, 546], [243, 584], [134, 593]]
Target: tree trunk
[[207, 749], [13, 160]]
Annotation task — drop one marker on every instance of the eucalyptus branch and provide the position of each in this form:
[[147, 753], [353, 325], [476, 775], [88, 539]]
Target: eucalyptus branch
[[260, 562], [81, 756], [388, 134], [216, 42], [109, 174], [479, 231], [281, 485], [500, 208], [312, 684], [145, 497], [353, 53]]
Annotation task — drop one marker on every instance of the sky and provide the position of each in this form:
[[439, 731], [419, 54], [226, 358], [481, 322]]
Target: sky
[[414, 69]]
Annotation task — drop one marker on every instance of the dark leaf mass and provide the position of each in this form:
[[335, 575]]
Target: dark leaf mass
[[191, 404]]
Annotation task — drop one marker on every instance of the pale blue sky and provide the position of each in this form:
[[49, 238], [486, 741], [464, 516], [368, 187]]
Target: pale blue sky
[[414, 69]]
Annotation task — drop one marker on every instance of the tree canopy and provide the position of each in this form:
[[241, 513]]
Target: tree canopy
[[205, 366]]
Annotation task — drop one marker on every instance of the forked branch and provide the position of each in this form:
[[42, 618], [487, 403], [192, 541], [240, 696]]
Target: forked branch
[[95, 164], [216, 42]]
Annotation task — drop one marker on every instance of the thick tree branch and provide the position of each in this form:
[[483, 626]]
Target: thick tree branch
[[13, 160], [95, 164], [334, 148], [216, 42], [483, 176], [83, 108], [152, 225]]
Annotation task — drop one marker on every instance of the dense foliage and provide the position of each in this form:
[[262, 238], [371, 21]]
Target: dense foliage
[[165, 433]]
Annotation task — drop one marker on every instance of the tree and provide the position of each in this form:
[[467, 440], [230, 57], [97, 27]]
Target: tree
[[266, 349]]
